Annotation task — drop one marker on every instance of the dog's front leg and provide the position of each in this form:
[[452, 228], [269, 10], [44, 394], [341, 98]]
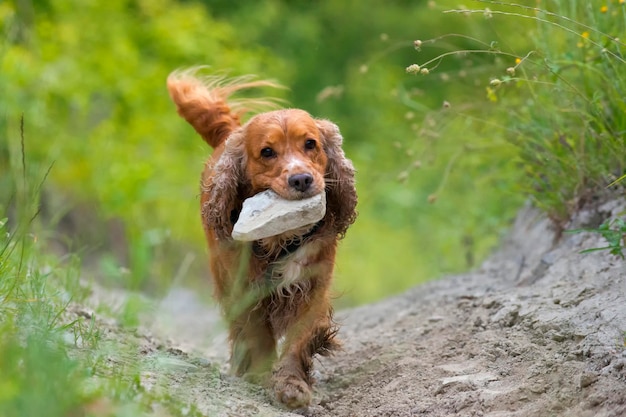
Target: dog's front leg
[[312, 332]]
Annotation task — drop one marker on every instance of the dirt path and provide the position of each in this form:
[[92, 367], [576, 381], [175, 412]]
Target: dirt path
[[538, 330]]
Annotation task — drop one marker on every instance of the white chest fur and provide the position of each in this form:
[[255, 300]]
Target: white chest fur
[[292, 271]]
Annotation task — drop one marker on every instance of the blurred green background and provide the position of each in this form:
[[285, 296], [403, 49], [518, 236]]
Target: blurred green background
[[437, 183]]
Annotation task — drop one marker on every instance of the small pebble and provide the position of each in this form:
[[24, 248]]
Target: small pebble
[[586, 379]]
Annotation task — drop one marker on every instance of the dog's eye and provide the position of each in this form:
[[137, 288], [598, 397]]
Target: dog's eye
[[267, 152], [310, 144]]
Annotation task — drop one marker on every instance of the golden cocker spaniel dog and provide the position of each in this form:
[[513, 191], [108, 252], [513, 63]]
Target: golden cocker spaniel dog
[[277, 287]]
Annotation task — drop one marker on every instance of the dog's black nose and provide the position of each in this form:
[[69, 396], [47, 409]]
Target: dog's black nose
[[301, 182]]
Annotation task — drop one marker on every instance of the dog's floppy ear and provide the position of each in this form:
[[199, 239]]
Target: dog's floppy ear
[[341, 197], [224, 191]]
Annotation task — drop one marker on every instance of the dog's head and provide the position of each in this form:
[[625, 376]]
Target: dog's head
[[289, 152], [284, 153]]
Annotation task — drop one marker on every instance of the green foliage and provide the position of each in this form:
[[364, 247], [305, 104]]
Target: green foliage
[[614, 232], [442, 166], [559, 100]]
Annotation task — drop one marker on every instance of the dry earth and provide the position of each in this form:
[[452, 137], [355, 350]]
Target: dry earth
[[538, 330]]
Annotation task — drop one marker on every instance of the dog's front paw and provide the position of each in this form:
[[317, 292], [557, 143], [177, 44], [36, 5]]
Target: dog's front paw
[[292, 391]]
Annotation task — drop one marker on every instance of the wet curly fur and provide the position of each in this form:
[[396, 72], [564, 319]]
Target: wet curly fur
[[277, 287]]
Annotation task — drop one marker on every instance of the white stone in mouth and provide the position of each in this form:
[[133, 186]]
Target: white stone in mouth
[[267, 214]]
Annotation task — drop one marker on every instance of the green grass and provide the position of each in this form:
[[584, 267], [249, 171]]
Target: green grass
[[35, 292], [56, 358], [559, 101], [611, 230], [56, 363]]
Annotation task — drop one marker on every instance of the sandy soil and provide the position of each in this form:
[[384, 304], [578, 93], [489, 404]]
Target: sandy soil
[[538, 330]]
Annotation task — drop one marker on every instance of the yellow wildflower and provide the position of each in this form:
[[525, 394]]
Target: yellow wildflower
[[584, 35], [518, 61], [604, 9]]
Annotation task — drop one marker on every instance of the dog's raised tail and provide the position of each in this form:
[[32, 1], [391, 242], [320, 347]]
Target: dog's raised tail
[[205, 101]]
